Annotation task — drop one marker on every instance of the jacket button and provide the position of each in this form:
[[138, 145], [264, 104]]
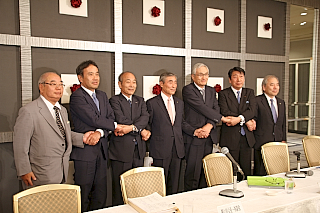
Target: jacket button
[[62, 144]]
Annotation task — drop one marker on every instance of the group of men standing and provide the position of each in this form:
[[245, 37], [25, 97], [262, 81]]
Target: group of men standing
[[176, 129]]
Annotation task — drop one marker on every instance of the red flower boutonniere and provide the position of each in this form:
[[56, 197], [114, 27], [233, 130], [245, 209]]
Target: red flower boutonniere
[[155, 11], [217, 87], [76, 3], [217, 21], [75, 87], [156, 89]]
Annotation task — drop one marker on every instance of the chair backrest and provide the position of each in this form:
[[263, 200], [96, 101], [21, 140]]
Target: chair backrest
[[217, 169], [142, 181], [53, 198], [311, 146], [275, 157]]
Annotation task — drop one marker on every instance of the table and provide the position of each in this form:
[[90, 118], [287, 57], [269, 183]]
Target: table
[[305, 198]]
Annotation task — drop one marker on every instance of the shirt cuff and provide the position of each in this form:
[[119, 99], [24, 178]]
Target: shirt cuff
[[242, 120], [101, 132], [115, 125]]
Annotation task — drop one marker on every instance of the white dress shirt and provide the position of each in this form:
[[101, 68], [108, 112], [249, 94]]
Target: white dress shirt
[[165, 100]]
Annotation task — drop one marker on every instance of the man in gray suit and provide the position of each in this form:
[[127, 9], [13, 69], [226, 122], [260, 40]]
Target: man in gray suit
[[42, 136]]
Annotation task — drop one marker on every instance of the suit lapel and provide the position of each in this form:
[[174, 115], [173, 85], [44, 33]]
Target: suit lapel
[[126, 106], [176, 107], [280, 109], [232, 97], [163, 106], [44, 111], [197, 91], [207, 94], [135, 104], [90, 100], [265, 103]]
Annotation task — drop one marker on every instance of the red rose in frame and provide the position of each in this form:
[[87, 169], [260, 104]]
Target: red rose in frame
[[155, 11], [156, 89], [267, 26], [76, 3], [75, 87], [217, 87], [217, 21]]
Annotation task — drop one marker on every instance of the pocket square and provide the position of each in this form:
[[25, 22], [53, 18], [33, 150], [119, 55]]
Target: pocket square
[[247, 102]]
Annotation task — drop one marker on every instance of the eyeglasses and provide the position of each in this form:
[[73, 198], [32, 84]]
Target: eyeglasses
[[275, 181], [54, 84], [202, 75]]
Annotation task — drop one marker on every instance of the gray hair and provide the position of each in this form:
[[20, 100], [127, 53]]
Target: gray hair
[[164, 75], [43, 77], [197, 66], [266, 78]]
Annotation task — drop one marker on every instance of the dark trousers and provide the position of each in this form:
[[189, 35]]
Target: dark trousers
[[243, 155], [91, 176], [259, 169], [171, 167], [118, 168], [194, 175]]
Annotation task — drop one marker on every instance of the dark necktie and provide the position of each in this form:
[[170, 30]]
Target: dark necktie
[[274, 113], [238, 98], [95, 100], [59, 123]]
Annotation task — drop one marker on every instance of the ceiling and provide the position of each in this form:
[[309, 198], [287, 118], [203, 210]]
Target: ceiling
[[297, 31]]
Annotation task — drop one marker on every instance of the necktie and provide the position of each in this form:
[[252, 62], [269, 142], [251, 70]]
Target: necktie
[[95, 100], [202, 91], [130, 102], [59, 123], [274, 113], [238, 98], [170, 111]]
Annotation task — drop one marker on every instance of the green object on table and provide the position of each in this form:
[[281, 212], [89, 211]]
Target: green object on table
[[266, 182]]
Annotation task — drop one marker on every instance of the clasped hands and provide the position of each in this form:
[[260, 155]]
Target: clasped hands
[[122, 129], [232, 121]]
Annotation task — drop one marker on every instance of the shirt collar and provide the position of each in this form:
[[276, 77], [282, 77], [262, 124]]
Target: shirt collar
[[268, 97], [88, 91], [199, 88], [127, 97], [236, 91], [165, 98], [49, 104]]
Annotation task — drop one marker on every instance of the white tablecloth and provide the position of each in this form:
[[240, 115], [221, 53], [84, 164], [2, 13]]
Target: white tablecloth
[[305, 198]]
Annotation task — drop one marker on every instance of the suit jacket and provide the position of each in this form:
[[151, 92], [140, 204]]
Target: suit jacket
[[163, 133], [198, 113], [39, 145], [121, 148], [266, 130], [87, 117], [230, 135]]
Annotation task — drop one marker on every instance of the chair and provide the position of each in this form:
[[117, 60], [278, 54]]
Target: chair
[[311, 146], [275, 157], [51, 198], [217, 169], [142, 181]]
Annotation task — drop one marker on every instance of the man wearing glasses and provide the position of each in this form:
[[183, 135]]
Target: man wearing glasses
[[201, 111], [42, 136]]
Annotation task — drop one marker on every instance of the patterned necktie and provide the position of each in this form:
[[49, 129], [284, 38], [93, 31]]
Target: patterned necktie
[[59, 123], [95, 100], [274, 113], [238, 98], [130, 102], [170, 111], [203, 93]]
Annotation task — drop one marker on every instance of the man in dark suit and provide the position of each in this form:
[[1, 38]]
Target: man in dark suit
[[91, 111], [166, 124], [127, 149], [201, 110], [270, 118], [239, 105]]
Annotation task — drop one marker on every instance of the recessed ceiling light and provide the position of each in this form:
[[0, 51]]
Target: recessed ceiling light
[[303, 14], [303, 23]]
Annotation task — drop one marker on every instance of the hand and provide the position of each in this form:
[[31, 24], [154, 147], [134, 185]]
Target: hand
[[94, 138], [200, 133], [27, 178], [225, 119], [283, 141], [86, 135], [145, 134], [124, 129], [206, 129], [233, 121], [251, 124]]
